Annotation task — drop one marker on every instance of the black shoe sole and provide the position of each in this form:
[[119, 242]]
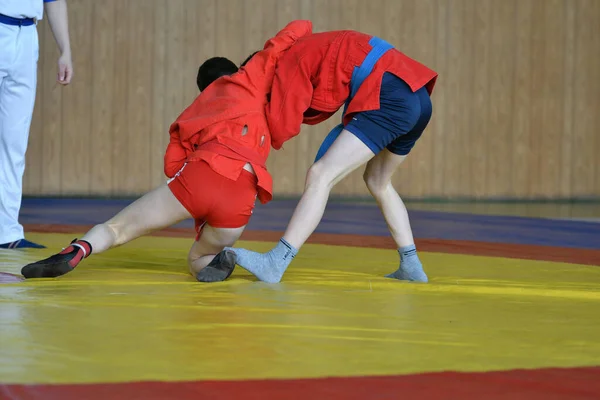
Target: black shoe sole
[[39, 270]]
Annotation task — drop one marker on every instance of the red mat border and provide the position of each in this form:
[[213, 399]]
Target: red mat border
[[537, 384]]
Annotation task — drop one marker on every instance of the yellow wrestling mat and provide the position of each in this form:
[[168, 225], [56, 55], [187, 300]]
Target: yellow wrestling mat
[[133, 313]]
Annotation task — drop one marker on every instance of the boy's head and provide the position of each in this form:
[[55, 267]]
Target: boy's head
[[212, 69]]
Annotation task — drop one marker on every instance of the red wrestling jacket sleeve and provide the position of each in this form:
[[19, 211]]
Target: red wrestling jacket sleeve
[[261, 68], [291, 96]]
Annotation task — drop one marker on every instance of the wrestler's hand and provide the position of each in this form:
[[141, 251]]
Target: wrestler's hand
[[65, 69]]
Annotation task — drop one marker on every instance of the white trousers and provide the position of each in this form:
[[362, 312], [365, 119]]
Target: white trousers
[[19, 52]]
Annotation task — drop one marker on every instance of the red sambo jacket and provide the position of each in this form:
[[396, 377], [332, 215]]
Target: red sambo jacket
[[314, 75], [212, 127]]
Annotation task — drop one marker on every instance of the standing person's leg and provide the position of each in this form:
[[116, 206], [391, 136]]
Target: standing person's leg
[[346, 154], [18, 79], [378, 177]]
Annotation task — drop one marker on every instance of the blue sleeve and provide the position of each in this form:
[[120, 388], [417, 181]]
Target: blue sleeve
[[48, 1]]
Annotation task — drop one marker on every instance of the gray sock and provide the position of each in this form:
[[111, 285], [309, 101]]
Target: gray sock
[[410, 268], [268, 267]]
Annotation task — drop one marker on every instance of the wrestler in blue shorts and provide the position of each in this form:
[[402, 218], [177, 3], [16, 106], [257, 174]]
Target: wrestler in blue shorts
[[386, 102]]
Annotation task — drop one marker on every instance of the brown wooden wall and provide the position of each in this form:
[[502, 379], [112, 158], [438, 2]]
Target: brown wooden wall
[[516, 109]]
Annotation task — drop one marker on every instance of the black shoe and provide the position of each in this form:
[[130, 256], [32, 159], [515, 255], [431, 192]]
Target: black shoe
[[53, 266], [219, 269]]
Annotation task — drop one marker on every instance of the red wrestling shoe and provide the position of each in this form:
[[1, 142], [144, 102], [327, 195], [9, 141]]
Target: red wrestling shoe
[[59, 264]]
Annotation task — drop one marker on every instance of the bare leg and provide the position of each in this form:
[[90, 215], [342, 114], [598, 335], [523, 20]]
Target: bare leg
[[155, 210], [378, 177], [345, 155]]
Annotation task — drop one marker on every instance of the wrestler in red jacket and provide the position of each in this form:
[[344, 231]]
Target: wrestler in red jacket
[[386, 102], [216, 161]]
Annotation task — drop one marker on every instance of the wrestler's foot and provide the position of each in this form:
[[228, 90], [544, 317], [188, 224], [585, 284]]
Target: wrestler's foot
[[58, 264], [50, 267], [219, 269], [410, 268], [268, 267], [408, 274]]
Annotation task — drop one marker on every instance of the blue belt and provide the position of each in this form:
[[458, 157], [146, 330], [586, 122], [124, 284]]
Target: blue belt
[[5, 19], [379, 48]]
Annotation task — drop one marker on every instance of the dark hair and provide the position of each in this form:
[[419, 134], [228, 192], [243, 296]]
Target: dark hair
[[212, 69], [248, 59]]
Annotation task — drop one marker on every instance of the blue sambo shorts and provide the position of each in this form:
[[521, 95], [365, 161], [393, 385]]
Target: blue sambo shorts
[[402, 117]]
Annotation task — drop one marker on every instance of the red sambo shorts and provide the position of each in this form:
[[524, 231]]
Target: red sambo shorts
[[212, 198]]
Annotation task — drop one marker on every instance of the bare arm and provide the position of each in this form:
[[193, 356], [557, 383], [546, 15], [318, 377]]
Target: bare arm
[[59, 24]]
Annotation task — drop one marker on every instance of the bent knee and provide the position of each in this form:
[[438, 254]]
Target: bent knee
[[319, 176], [376, 183]]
